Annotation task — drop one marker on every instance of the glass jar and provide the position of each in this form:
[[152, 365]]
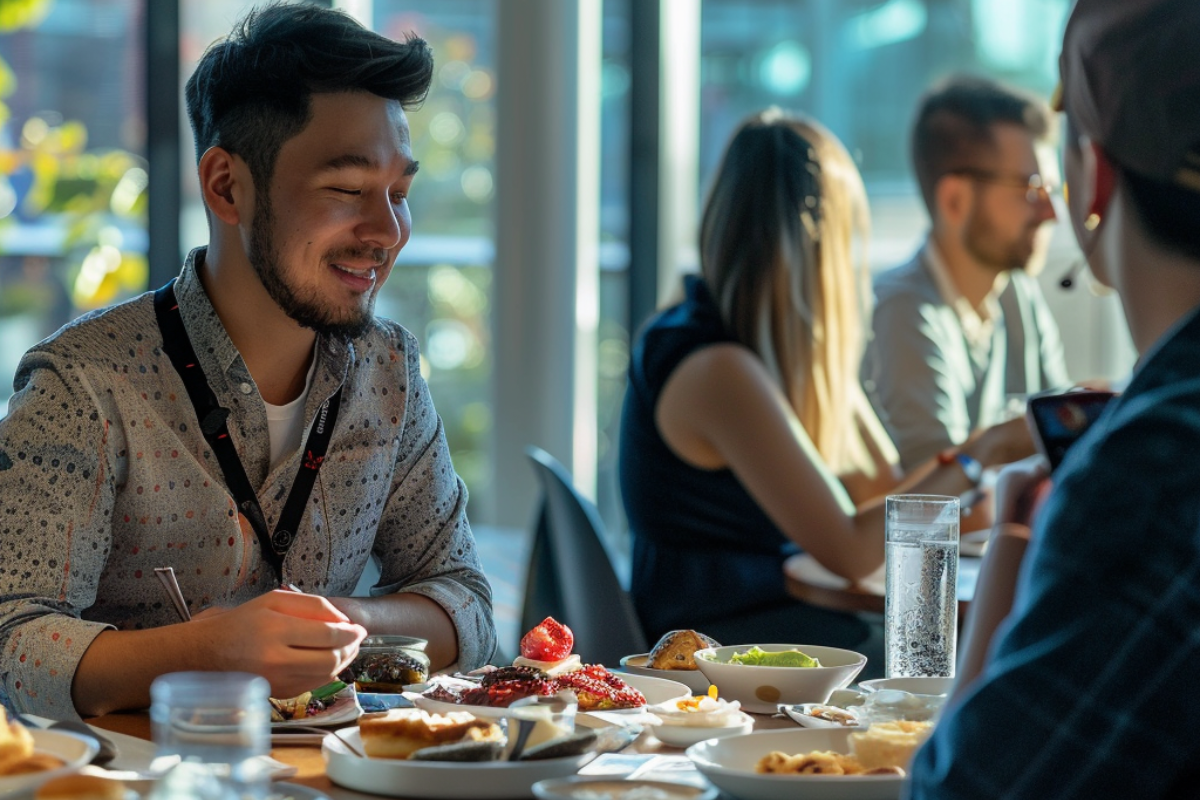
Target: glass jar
[[386, 664]]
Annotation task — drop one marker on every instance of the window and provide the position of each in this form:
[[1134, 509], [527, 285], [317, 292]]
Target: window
[[72, 166]]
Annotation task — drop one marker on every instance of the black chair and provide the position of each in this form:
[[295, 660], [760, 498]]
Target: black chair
[[571, 575]]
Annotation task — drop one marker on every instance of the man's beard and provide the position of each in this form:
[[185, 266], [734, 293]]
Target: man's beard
[[305, 309], [986, 247]]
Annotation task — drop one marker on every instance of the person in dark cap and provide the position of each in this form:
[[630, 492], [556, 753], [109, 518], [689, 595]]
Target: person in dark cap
[[1086, 689]]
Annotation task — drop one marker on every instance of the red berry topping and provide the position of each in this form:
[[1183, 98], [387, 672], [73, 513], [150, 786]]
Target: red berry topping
[[549, 640]]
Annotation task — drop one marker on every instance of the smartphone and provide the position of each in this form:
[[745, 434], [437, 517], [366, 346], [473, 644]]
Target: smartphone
[[1058, 419]]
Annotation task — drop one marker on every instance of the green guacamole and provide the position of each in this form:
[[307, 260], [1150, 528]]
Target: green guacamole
[[757, 657]]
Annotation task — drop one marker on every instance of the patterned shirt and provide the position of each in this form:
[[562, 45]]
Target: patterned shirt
[[105, 475], [1088, 691]]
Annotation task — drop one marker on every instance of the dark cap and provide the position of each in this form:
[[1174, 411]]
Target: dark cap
[[1131, 81]]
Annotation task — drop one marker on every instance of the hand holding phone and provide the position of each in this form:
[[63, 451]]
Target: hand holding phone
[[1058, 419]]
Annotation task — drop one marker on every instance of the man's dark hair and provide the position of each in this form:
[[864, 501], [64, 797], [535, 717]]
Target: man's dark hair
[[953, 128], [251, 91]]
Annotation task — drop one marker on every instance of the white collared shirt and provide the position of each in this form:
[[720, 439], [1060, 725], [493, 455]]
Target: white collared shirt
[[978, 324]]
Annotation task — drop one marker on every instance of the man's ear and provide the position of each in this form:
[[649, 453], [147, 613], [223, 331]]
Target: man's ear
[[953, 198], [226, 186], [1102, 176]]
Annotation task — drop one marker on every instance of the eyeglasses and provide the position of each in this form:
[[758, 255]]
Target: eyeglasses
[[1036, 188]]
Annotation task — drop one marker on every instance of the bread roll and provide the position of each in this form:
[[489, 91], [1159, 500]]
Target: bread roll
[[400, 732], [677, 650]]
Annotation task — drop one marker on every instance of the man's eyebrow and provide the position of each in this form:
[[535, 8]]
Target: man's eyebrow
[[349, 160], [356, 161]]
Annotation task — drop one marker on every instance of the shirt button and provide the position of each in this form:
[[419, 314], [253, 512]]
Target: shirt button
[[246, 388]]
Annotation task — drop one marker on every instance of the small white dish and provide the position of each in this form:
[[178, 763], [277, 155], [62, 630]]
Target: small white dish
[[688, 735], [814, 715], [915, 685]]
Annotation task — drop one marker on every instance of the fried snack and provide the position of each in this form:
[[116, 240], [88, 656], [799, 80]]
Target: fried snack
[[889, 744], [16, 745], [399, 733], [818, 762], [677, 650], [81, 787]]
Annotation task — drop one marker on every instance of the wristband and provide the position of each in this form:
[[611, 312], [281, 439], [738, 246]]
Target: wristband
[[970, 466]]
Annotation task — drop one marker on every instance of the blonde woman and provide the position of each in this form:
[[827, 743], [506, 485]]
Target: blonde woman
[[745, 434]]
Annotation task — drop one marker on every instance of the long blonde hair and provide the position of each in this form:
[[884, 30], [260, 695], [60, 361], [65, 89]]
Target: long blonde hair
[[783, 219]]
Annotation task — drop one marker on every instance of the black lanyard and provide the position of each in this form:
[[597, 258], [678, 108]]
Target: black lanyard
[[213, 422]]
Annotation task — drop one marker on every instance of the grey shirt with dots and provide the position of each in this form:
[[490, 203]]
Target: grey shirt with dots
[[105, 475]]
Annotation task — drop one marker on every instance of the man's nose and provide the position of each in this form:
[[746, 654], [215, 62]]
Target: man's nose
[[381, 225]]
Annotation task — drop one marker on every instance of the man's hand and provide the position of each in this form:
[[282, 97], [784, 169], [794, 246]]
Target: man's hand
[[296, 641], [1001, 444], [1020, 488]]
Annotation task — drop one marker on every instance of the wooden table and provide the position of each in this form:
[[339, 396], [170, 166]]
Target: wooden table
[[809, 581], [310, 764]]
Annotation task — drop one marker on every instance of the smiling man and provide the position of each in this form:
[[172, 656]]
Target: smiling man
[[964, 325], [252, 425]]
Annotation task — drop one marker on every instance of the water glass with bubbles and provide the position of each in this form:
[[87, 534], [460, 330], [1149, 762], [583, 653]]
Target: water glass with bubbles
[[921, 592]]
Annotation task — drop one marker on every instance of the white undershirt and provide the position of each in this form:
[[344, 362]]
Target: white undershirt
[[285, 423]]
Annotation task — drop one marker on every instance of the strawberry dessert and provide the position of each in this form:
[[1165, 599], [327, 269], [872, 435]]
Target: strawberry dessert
[[545, 667]]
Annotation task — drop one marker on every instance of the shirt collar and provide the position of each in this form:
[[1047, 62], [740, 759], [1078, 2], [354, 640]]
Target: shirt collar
[[977, 323], [212, 344]]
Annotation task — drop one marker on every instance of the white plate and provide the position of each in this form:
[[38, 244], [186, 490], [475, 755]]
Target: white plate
[[729, 763], [656, 690], [802, 715], [686, 736], [345, 708], [446, 780], [75, 751], [692, 678]]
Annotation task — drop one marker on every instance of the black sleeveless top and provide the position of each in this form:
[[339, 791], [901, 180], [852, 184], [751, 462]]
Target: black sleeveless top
[[702, 547]]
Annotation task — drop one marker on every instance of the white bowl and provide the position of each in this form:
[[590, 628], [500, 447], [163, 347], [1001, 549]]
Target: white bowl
[[915, 685], [688, 735], [566, 788], [692, 678], [730, 764], [762, 689]]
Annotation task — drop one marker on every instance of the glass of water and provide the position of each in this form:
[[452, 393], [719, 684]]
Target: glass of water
[[216, 723], [921, 594]]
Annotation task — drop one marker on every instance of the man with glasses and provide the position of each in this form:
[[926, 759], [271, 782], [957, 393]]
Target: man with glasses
[[963, 327]]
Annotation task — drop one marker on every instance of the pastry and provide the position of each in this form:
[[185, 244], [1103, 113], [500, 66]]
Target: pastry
[[677, 650], [399, 733], [81, 787]]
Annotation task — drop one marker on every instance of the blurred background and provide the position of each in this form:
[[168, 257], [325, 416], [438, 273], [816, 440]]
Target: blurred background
[[564, 148]]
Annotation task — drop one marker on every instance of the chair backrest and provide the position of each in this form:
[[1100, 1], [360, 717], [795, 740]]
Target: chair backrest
[[571, 576]]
